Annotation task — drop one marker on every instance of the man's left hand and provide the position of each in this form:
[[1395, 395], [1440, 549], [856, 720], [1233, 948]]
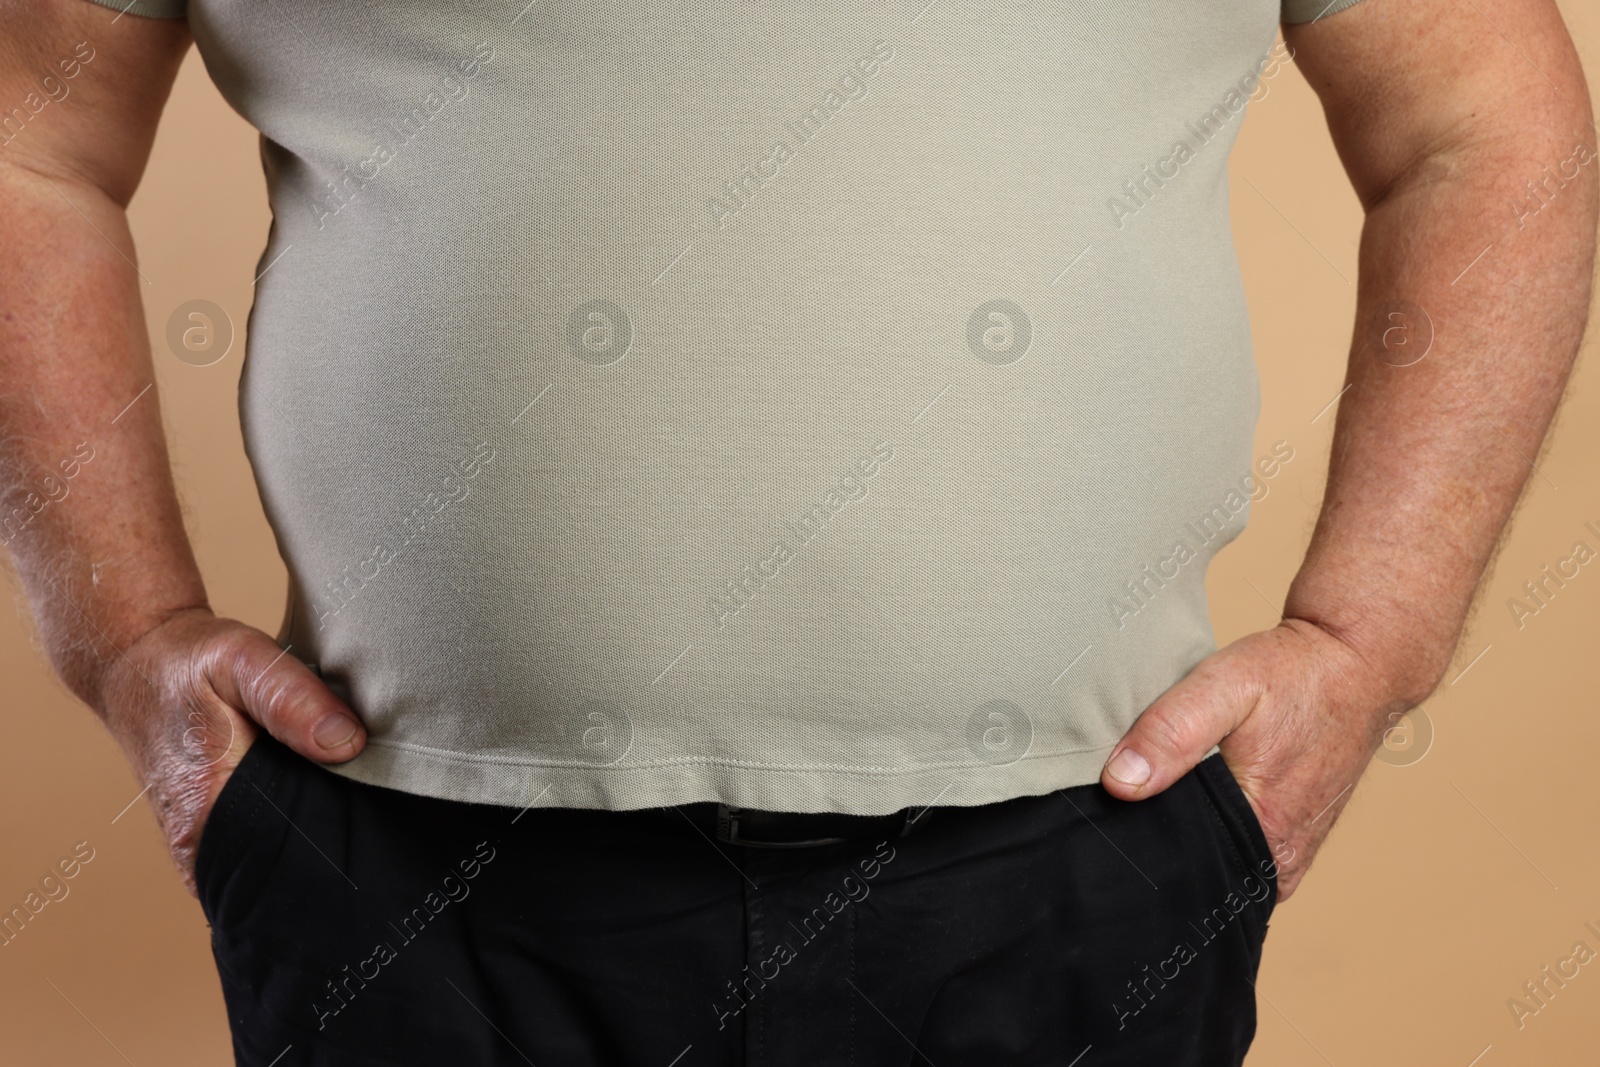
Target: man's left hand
[[1297, 715]]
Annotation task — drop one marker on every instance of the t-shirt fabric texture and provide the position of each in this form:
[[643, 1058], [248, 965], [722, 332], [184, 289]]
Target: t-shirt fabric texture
[[809, 406]]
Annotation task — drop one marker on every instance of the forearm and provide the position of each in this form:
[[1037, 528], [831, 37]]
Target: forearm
[[88, 512], [1429, 459]]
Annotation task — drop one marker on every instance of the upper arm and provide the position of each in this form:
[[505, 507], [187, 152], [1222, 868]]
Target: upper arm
[[81, 89], [1403, 83]]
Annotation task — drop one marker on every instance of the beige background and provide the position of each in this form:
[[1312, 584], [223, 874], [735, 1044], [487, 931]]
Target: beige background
[[1448, 883]]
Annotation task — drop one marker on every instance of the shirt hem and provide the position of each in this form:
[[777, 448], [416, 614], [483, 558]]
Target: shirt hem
[[869, 791]]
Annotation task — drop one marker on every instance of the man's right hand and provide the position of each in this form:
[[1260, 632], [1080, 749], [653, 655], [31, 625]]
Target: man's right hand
[[112, 582], [186, 700]]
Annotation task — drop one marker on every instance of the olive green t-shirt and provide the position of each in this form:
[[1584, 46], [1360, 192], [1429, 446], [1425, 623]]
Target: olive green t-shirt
[[807, 406]]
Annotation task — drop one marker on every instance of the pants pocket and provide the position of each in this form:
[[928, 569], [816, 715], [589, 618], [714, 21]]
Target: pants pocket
[[225, 873], [1239, 822]]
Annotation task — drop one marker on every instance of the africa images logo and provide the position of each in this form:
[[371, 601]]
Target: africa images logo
[[851, 487], [850, 86], [999, 332], [599, 332], [999, 732]]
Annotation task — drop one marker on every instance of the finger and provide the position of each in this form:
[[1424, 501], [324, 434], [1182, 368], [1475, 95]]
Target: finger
[[1177, 731], [254, 675]]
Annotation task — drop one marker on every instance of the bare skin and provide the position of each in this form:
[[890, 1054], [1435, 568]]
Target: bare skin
[[1438, 122], [105, 562]]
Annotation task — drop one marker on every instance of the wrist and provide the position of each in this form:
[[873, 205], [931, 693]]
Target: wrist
[[1402, 662], [96, 669]]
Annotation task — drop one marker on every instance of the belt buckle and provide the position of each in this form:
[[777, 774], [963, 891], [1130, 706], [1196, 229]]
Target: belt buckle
[[728, 822], [728, 833]]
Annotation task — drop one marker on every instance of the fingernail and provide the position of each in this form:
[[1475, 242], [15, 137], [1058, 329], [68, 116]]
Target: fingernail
[[1130, 767], [335, 731]]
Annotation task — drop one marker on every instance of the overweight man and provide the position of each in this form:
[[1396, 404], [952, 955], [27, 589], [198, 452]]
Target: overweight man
[[747, 474]]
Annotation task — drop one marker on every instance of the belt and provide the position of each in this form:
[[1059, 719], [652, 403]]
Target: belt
[[787, 829]]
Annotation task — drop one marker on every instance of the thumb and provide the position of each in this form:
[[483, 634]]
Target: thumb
[[251, 673], [1176, 732]]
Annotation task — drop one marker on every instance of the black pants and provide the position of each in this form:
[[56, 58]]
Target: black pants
[[355, 925]]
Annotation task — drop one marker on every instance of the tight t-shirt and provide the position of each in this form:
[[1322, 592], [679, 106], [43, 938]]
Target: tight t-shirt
[[804, 406]]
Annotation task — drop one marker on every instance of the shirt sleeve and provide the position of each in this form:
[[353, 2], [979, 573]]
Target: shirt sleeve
[[1311, 10], [150, 9]]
